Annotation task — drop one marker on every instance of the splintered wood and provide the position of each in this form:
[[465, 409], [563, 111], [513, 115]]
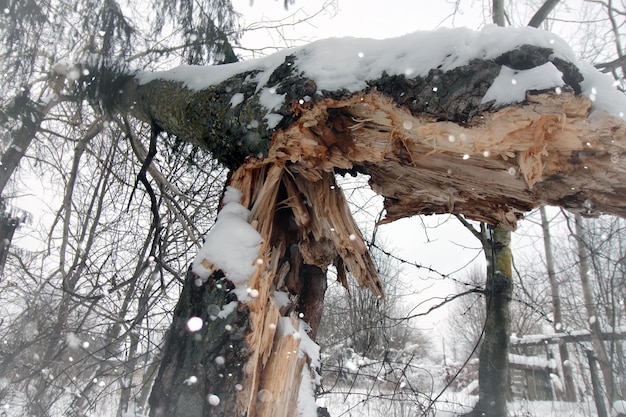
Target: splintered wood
[[320, 228], [549, 150], [282, 375], [493, 168]]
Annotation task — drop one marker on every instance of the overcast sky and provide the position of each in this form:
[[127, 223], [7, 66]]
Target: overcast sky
[[358, 18]]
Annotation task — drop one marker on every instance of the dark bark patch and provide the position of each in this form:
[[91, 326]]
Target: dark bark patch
[[453, 95]]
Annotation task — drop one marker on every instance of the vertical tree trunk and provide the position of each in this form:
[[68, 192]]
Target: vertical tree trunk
[[30, 121], [497, 12], [248, 356], [590, 308], [596, 385], [127, 377], [8, 224], [565, 365], [493, 371], [493, 375], [202, 371]]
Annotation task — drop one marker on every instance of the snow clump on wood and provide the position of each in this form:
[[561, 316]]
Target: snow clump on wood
[[232, 245]]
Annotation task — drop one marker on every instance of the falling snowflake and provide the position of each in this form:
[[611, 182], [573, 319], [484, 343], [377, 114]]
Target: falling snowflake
[[194, 324]]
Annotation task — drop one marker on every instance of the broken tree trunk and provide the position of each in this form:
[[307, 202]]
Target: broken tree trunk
[[432, 141], [251, 358], [486, 163]]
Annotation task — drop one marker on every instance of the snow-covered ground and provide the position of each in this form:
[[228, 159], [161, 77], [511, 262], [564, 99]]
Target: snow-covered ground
[[363, 402]]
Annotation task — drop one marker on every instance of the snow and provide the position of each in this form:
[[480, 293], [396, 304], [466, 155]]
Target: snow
[[471, 388], [282, 298], [413, 55], [311, 349], [232, 245], [601, 90], [227, 309], [194, 324], [72, 340], [191, 380], [619, 407], [199, 77], [306, 397], [213, 399], [554, 337], [510, 85], [272, 119], [236, 99], [556, 382], [270, 99], [532, 361]]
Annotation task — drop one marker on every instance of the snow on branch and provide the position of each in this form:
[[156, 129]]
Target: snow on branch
[[572, 336], [487, 124]]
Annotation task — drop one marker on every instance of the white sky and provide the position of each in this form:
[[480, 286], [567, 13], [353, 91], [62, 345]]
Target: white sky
[[358, 18]]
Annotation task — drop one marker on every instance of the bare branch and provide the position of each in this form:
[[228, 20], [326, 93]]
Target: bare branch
[[611, 65], [542, 13], [469, 227]]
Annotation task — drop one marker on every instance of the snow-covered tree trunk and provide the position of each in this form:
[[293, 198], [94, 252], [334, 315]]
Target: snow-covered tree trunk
[[490, 131]]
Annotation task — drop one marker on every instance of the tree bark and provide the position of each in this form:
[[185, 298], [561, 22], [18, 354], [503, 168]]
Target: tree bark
[[590, 308], [198, 364], [454, 153], [565, 365], [429, 144], [596, 385], [22, 138], [493, 372], [540, 16], [497, 11]]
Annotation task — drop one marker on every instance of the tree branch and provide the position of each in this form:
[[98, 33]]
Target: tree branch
[[542, 13], [498, 12]]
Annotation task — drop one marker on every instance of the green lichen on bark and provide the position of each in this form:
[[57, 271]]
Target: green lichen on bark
[[231, 128], [206, 118], [493, 378], [234, 131]]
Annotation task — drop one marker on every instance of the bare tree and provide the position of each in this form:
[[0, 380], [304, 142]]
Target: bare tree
[[557, 314]]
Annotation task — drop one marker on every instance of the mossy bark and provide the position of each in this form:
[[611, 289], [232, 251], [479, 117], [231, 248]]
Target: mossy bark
[[493, 375]]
